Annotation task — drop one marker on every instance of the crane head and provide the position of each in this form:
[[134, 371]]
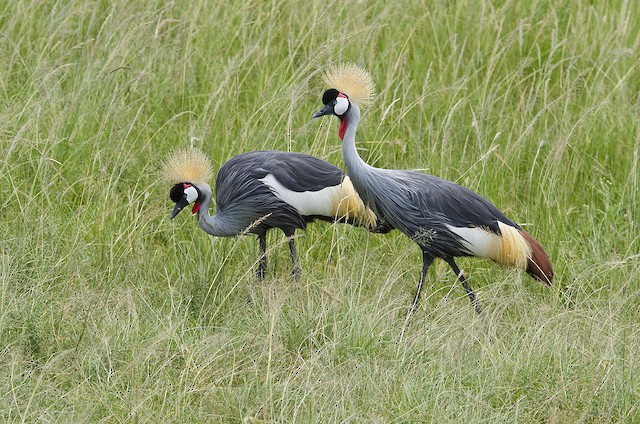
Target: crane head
[[335, 103], [338, 104], [350, 84], [184, 194]]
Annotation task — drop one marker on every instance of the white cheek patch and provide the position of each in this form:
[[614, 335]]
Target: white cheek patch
[[191, 194], [342, 104]]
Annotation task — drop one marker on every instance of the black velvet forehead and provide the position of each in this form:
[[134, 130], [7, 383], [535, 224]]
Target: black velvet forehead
[[330, 95], [176, 192]]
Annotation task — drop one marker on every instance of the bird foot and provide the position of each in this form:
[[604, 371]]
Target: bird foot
[[296, 273]]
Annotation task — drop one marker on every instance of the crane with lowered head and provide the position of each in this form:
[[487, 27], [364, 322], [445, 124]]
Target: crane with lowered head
[[260, 190], [445, 219]]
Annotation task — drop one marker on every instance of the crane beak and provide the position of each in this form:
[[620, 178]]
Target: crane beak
[[180, 204], [326, 110]]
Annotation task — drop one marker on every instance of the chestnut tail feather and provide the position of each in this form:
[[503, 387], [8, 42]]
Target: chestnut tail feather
[[539, 265]]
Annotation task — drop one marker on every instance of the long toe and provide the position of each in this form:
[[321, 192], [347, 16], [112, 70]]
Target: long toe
[[296, 273]]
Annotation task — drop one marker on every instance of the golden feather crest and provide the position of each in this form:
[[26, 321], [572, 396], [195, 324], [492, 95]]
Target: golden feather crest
[[188, 165], [352, 80]]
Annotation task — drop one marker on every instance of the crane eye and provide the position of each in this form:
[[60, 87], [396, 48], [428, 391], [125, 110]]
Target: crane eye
[[341, 106], [191, 194]]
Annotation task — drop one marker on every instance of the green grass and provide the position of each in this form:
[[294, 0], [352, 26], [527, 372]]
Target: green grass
[[109, 312]]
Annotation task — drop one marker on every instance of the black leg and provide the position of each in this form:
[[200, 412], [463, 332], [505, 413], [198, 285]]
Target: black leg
[[262, 260], [296, 271], [427, 259], [465, 284]]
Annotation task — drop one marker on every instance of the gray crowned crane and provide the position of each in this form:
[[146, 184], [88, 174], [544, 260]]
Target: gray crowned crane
[[445, 219], [257, 191]]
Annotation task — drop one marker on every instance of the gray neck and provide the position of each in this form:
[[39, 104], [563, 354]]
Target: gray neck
[[354, 163], [213, 225]]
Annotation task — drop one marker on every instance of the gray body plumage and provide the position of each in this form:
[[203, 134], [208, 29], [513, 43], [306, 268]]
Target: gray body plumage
[[423, 206], [445, 219], [244, 203], [419, 205], [261, 190]]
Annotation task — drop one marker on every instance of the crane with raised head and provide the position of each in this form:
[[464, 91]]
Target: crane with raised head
[[260, 190], [445, 219]]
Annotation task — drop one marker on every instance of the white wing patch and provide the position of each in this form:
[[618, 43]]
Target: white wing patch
[[478, 241], [306, 202], [510, 249]]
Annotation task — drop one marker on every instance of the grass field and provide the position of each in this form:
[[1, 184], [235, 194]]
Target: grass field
[[109, 312]]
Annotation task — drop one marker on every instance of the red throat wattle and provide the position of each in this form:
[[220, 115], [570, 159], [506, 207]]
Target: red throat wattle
[[343, 128], [196, 208]]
